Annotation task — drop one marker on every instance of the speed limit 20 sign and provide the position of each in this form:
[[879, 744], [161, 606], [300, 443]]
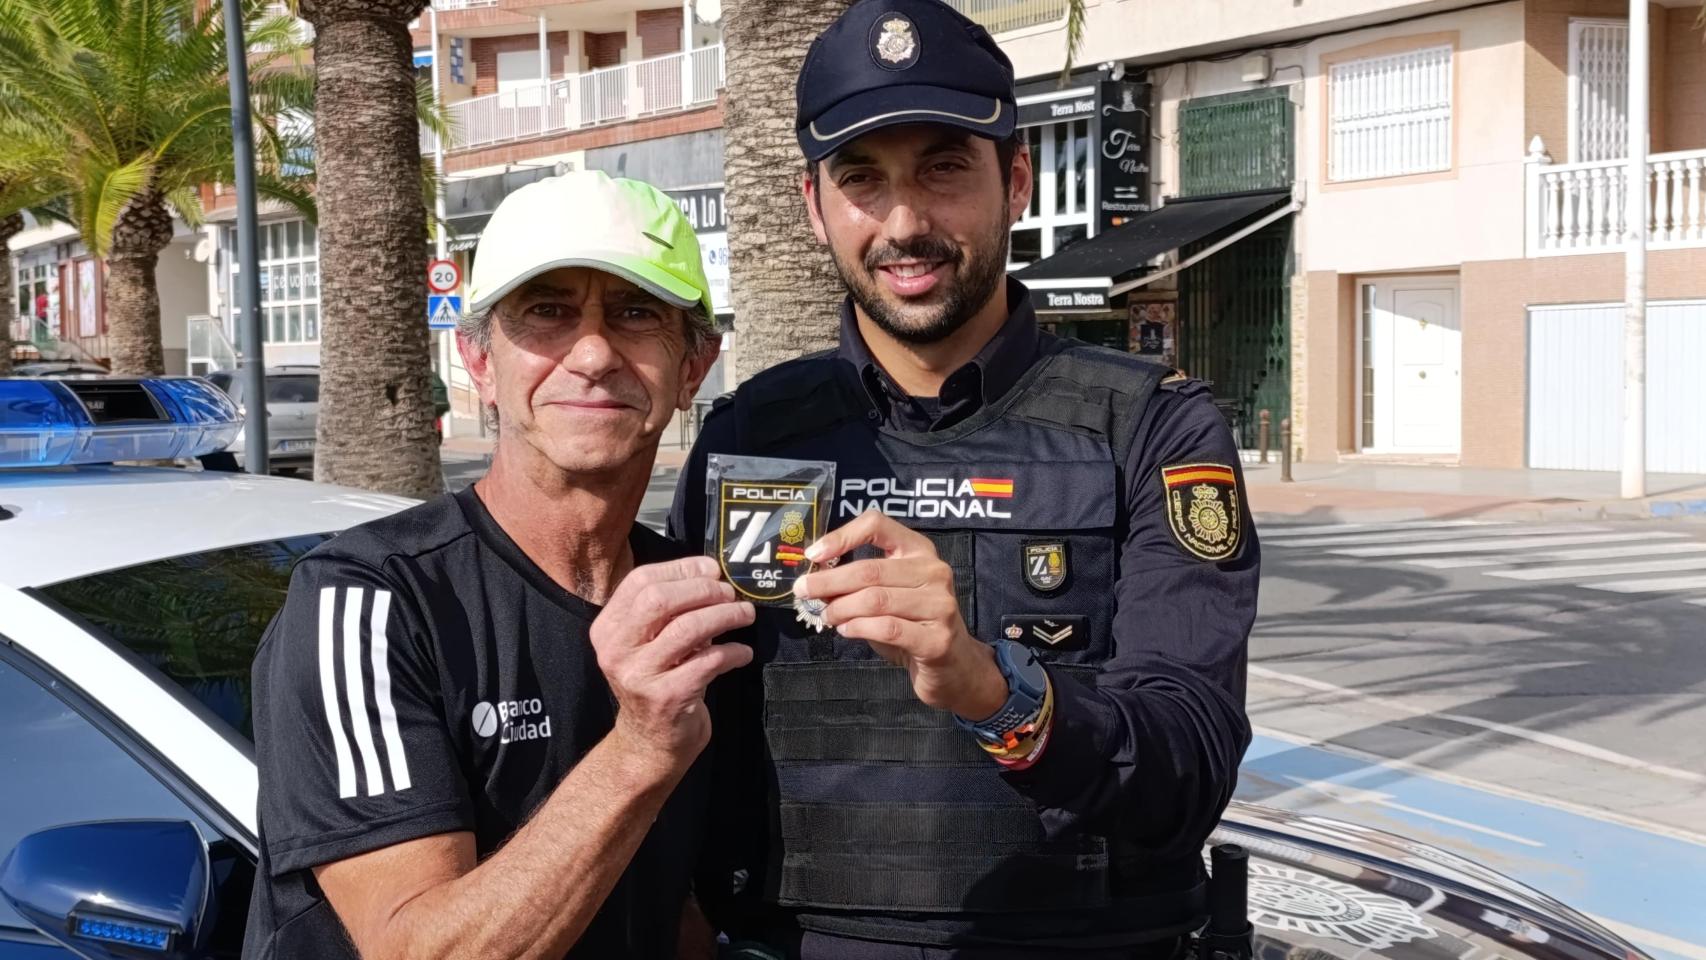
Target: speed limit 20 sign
[[443, 276]]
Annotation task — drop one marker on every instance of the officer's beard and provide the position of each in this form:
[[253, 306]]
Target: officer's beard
[[965, 290]]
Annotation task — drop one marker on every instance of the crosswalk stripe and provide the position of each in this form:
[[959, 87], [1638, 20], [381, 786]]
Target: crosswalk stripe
[[1282, 531], [1585, 570], [1650, 586], [1553, 556], [1431, 536], [1700, 602], [1486, 545]]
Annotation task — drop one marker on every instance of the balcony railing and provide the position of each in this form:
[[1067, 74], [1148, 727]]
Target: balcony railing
[[998, 16], [462, 4], [1580, 207], [629, 91]]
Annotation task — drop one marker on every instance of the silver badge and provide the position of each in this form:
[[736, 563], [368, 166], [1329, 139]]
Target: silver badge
[[897, 44]]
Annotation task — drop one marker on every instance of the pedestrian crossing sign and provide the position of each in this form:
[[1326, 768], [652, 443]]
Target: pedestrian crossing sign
[[443, 312]]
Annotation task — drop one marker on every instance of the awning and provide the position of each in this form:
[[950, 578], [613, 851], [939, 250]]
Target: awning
[[464, 232], [423, 58], [1086, 274]]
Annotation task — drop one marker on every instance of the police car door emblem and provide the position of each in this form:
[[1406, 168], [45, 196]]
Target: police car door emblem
[[1203, 510], [896, 43], [1297, 901], [1045, 565]]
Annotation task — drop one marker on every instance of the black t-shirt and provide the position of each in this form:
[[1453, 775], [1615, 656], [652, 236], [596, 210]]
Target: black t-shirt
[[426, 677]]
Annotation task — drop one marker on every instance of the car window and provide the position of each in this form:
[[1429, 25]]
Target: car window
[[228, 382], [293, 388], [57, 768], [196, 618]]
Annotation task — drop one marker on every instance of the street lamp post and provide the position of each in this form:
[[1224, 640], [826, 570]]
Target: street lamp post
[[255, 458], [1634, 475]]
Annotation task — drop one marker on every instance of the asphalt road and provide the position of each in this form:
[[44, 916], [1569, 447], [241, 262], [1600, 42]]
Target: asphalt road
[[1530, 695]]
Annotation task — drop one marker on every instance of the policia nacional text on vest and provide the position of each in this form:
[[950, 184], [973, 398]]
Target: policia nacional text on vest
[[884, 820]]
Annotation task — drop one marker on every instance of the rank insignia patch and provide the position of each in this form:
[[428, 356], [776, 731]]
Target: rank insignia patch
[[1203, 509], [1045, 565], [1047, 633]]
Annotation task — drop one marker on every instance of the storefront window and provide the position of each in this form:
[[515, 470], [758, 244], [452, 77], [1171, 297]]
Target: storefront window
[[1060, 207], [289, 280]]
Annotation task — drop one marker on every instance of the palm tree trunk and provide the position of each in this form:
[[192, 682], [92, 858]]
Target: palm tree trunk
[[10, 226], [785, 290], [376, 412], [142, 230]]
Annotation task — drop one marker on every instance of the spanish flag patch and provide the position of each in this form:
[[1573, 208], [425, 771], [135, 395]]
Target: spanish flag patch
[[1203, 509]]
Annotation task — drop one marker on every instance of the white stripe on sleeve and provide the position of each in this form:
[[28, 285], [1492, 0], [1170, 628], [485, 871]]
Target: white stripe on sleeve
[[357, 700], [329, 690], [382, 693]]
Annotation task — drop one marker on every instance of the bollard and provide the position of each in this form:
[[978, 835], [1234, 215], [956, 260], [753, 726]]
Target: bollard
[[1263, 420], [1285, 450]]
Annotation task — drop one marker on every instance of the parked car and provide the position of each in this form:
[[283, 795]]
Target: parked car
[[293, 411], [132, 600], [59, 368]]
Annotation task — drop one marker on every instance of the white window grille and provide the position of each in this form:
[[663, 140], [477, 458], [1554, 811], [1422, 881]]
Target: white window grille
[[1061, 191], [1390, 116], [1599, 90]]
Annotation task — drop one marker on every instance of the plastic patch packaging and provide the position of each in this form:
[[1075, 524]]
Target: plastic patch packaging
[[762, 514]]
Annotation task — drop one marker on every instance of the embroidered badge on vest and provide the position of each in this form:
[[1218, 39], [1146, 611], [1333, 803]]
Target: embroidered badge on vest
[[1045, 564], [1203, 509]]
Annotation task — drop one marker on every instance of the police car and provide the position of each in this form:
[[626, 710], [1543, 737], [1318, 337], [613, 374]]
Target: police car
[[131, 602]]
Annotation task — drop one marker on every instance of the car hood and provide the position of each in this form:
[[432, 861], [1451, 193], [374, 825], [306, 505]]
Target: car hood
[[1322, 889]]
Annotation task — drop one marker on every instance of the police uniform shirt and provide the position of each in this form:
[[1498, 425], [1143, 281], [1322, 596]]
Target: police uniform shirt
[[426, 677], [1157, 742]]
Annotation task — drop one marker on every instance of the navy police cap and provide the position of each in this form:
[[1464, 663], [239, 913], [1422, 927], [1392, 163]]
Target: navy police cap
[[888, 62]]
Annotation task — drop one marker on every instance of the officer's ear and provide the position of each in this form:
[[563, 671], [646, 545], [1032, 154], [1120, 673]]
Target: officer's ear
[[1019, 180], [810, 185]]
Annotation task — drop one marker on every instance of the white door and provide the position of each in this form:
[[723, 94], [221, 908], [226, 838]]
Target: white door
[[518, 76], [1416, 344]]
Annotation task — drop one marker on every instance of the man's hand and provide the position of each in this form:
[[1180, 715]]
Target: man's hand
[[903, 604], [653, 642]]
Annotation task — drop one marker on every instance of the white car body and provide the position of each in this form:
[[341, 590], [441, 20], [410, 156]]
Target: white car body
[[74, 522]]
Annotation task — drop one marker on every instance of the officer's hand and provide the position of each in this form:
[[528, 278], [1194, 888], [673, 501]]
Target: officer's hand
[[653, 642], [903, 604]]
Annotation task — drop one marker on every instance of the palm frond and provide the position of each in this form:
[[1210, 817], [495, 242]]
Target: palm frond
[[296, 192], [104, 197], [186, 201], [1075, 16]]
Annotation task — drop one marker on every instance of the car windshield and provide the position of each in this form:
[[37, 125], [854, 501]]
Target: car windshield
[[197, 618], [293, 388]]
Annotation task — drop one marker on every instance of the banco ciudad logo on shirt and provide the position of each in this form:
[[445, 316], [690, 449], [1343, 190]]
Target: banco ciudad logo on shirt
[[512, 720]]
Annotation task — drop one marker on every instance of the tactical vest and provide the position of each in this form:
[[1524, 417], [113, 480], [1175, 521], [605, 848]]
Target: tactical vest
[[881, 806]]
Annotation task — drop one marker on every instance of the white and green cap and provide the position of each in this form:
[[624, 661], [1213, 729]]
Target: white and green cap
[[587, 219]]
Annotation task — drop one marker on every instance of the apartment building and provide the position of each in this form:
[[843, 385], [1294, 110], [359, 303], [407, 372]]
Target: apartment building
[[1398, 223]]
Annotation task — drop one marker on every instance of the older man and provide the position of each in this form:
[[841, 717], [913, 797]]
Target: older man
[[475, 720]]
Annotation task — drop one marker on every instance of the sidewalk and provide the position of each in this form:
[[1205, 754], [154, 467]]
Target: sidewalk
[[1352, 492]]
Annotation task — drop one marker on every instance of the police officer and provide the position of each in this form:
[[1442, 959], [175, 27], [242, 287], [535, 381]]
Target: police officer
[[1027, 712]]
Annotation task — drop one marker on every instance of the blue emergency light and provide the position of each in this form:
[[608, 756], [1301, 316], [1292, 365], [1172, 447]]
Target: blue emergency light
[[55, 423], [148, 936]]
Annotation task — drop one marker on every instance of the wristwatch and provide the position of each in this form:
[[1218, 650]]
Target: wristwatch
[[1027, 685]]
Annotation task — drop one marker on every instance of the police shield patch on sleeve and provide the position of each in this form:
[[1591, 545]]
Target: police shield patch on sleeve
[[1203, 509]]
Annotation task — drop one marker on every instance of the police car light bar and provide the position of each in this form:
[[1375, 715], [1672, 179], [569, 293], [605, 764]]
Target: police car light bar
[[147, 936], [55, 423]]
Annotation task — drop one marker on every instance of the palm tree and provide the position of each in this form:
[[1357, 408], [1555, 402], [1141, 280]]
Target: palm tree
[[376, 409], [782, 283], [10, 226], [120, 110]]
